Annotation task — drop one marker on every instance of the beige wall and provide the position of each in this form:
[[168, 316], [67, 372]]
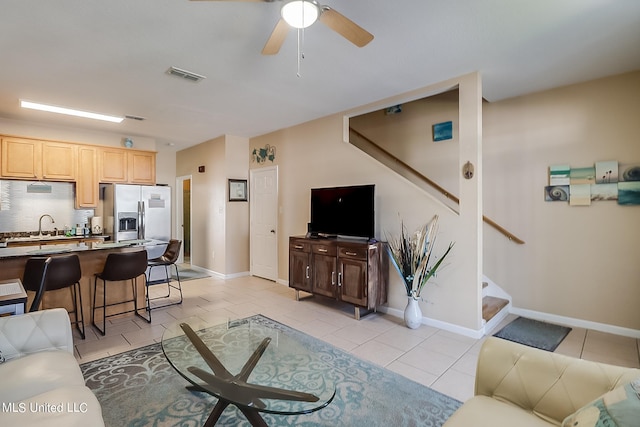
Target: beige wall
[[314, 155], [220, 229], [577, 262], [237, 213]]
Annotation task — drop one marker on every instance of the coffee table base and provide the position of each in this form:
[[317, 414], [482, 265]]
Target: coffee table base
[[223, 381], [253, 416]]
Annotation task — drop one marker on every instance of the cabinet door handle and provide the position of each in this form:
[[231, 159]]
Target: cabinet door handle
[[351, 253], [339, 279], [323, 250], [298, 246], [307, 271], [333, 278]]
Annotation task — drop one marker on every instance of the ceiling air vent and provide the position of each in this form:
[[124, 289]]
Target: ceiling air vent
[[138, 118], [187, 75]]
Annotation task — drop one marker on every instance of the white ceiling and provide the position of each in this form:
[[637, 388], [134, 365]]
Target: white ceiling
[[110, 56]]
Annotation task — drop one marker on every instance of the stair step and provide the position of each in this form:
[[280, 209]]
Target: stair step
[[492, 306]]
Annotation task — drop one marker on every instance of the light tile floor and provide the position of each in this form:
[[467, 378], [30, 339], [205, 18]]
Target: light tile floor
[[436, 358]]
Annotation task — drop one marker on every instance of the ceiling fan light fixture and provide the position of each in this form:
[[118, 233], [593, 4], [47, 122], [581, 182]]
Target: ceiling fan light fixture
[[300, 13]]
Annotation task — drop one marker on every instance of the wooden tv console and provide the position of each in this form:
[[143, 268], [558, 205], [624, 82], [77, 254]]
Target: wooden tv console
[[355, 272]]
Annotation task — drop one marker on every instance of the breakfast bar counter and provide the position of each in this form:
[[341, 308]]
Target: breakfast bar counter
[[92, 258]]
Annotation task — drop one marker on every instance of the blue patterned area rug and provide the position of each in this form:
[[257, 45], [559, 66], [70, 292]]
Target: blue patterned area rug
[[139, 388], [542, 335]]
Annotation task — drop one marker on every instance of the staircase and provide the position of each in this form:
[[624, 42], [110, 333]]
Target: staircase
[[495, 302], [495, 306], [492, 306]]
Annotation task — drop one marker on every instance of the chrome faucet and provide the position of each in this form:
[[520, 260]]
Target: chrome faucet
[[40, 223]]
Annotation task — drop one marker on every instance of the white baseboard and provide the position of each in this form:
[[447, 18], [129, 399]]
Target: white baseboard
[[546, 317], [576, 323], [218, 275], [467, 332], [236, 275]]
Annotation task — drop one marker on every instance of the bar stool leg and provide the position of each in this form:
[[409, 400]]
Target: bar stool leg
[[78, 312], [104, 306], [135, 299]]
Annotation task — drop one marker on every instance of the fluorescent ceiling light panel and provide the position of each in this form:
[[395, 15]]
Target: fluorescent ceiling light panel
[[70, 112]]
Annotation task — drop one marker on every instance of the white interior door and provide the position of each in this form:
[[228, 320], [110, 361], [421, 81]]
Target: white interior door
[[264, 222]]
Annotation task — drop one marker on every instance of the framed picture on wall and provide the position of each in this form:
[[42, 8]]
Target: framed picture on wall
[[237, 190]]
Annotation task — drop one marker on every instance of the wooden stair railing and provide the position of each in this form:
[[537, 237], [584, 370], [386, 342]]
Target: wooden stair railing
[[512, 237]]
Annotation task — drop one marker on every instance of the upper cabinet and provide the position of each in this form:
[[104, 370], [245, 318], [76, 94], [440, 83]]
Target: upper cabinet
[[87, 182], [127, 166], [34, 159], [142, 167], [112, 165], [87, 165], [21, 158], [59, 161]]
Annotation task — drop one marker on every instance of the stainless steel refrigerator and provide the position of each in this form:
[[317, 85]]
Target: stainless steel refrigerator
[[138, 212]]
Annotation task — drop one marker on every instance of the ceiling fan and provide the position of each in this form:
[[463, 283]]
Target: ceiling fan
[[301, 14]]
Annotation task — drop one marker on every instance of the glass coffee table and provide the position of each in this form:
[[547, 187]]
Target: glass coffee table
[[251, 364]]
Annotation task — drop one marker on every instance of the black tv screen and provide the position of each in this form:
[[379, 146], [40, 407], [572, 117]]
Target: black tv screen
[[343, 211]]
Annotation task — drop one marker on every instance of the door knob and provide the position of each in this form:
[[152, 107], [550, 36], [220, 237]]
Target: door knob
[[273, 231]]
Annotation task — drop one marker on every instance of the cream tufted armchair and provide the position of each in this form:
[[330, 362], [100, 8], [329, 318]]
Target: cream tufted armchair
[[40, 380], [522, 386]]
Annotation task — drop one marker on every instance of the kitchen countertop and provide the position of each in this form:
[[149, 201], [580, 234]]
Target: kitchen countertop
[[46, 239], [38, 249]]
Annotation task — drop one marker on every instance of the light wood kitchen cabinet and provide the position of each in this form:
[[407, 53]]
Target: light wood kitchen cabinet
[[21, 158], [87, 180], [112, 164], [59, 161], [142, 167], [119, 165], [87, 165], [353, 272], [35, 159]]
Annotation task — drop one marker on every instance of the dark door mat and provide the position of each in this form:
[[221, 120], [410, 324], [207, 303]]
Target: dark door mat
[[542, 335]]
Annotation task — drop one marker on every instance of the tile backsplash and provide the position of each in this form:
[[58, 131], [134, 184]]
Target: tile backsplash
[[21, 210]]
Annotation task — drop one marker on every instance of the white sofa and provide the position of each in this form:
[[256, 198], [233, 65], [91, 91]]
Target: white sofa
[[520, 386], [40, 382]]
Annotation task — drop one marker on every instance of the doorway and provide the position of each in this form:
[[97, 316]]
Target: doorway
[[264, 222], [183, 217]]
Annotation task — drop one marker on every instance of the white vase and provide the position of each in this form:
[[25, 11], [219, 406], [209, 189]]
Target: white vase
[[412, 313]]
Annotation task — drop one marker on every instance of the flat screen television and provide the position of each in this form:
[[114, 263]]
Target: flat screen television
[[343, 211]]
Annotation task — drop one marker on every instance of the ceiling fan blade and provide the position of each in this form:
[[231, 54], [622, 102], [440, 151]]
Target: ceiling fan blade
[[345, 27], [276, 39]]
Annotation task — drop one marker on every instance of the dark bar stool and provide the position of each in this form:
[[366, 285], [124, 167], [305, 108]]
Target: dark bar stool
[[42, 274], [34, 278], [119, 266], [65, 272], [167, 259]]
